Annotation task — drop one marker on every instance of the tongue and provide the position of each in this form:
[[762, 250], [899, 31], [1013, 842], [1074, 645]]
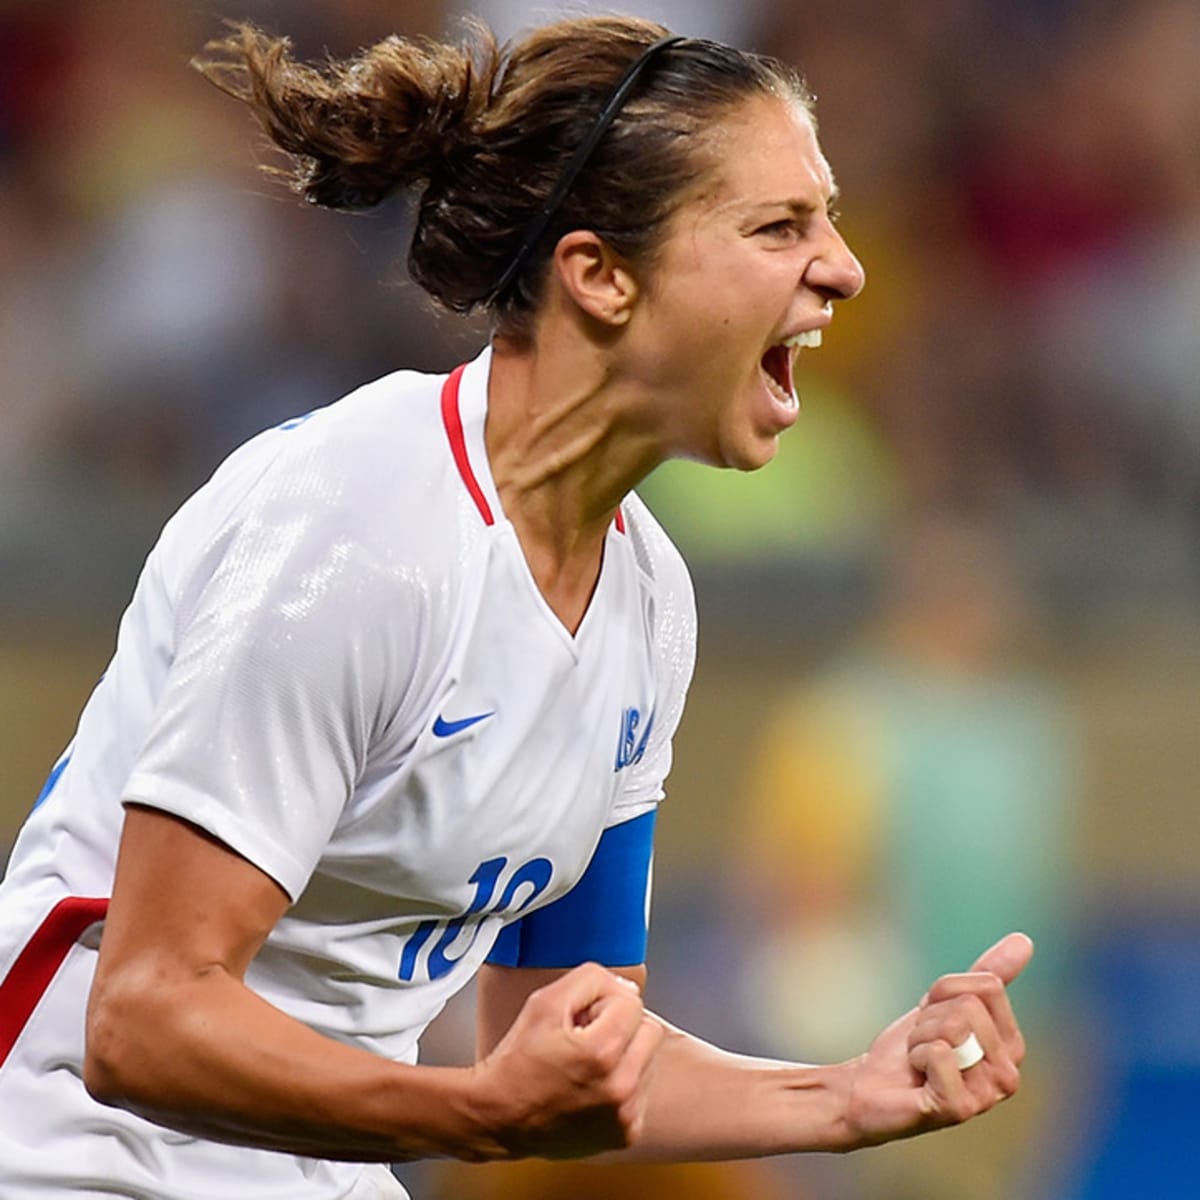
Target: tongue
[[777, 362]]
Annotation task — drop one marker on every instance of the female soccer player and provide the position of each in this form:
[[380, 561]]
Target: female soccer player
[[393, 702]]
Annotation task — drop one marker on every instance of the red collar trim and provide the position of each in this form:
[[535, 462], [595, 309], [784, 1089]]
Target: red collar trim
[[452, 419]]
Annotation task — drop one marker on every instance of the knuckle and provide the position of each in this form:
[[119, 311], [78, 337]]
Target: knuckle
[[606, 1057], [1008, 1080], [975, 1007], [591, 971], [956, 1028], [989, 984], [965, 1016], [540, 1000], [918, 1036], [633, 1122], [625, 1003], [940, 990]]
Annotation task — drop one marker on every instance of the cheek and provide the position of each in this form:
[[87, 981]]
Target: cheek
[[724, 355], [709, 324], [718, 321]]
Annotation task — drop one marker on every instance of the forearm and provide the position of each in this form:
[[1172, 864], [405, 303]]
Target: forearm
[[696, 1102], [702, 1102], [210, 1057], [706, 1103]]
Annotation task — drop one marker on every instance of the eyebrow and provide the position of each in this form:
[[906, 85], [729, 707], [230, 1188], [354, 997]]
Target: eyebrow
[[801, 207]]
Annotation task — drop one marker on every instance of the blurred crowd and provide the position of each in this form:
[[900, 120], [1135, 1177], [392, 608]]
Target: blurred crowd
[[1021, 180], [1000, 446]]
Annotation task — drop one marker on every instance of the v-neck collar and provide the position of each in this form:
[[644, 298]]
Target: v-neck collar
[[464, 416]]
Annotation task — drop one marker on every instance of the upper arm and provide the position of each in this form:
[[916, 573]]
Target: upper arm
[[179, 893], [184, 905]]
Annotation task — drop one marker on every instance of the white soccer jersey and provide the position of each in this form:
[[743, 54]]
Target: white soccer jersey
[[337, 662]]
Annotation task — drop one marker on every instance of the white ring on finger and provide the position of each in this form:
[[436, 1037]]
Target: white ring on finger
[[968, 1053]]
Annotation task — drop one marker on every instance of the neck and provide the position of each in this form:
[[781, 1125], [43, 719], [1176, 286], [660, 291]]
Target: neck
[[564, 440], [565, 446]]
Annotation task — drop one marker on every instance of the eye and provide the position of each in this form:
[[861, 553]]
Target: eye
[[779, 229]]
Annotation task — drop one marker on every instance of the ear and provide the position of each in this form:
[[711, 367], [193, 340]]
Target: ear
[[595, 276]]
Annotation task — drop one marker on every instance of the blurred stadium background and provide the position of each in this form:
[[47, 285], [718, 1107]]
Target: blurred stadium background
[[949, 676]]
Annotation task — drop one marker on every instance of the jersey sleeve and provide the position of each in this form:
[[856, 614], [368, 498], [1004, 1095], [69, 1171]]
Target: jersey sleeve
[[674, 643], [287, 654], [604, 918]]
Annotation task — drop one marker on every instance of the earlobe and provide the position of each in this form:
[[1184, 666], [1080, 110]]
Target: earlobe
[[595, 277]]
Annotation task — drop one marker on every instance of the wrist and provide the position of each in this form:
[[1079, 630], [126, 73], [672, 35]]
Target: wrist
[[442, 1112], [844, 1082], [488, 1115], [837, 1129]]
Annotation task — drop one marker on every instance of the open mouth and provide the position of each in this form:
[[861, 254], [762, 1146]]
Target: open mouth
[[778, 361], [777, 365]]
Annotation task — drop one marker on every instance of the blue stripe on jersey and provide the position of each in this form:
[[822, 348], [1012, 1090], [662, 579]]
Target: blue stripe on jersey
[[52, 778], [296, 422], [601, 919]]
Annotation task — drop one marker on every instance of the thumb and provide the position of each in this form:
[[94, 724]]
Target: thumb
[[1007, 958]]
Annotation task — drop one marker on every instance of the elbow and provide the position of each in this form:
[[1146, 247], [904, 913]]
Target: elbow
[[116, 1049], [104, 1054]]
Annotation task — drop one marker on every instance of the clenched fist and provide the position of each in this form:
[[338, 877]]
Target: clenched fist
[[569, 1078]]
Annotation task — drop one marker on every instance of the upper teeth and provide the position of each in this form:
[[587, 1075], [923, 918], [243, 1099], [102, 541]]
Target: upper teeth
[[810, 339]]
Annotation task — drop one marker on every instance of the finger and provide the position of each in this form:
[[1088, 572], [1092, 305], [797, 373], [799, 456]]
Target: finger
[[991, 1078], [954, 1021], [639, 1055], [613, 1022], [946, 1093], [985, 988], [1007, 958], [579, 989], [631, 1079]]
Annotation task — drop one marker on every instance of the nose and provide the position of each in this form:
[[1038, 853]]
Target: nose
[[835, 272]]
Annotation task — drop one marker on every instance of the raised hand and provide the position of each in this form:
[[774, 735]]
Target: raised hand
[[570, 1076], [910, 1080]]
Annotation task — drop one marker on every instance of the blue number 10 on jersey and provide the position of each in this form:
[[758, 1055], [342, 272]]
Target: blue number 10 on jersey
[[536, 872]]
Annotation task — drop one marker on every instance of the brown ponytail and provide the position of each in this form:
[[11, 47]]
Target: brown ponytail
[[361, 128], [487, 132]]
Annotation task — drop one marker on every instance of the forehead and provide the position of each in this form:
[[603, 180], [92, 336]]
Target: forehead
[[766, 151]]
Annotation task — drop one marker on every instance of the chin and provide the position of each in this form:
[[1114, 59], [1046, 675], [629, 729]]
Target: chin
[[750, 454]]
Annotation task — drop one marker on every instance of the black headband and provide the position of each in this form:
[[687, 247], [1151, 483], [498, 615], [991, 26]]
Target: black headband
[[540, 223]]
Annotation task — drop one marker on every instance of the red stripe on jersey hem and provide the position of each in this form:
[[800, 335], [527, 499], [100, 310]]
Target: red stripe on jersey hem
[[452, 419], [620, 521], [38, 963]]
